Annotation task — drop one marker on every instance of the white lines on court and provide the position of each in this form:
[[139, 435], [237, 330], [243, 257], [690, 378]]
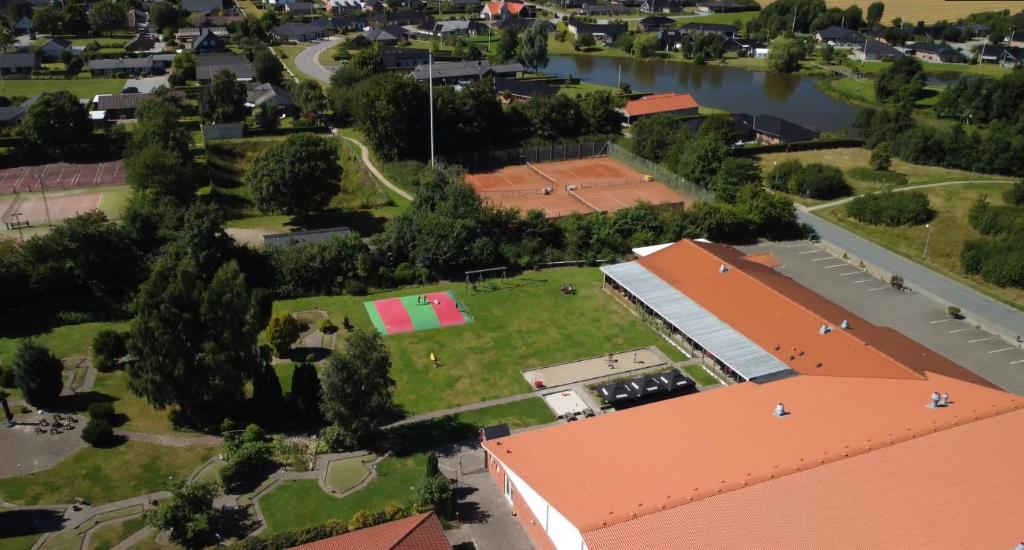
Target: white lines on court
[[940, 321], [1015, 362], [959, 330], [1001, 349], [879, 288], [850, 273], [862, 281], [823, 259], [834, 266], [982, 339]]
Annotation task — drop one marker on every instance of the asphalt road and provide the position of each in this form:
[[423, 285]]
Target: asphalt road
[[306, 61], [994, 315]]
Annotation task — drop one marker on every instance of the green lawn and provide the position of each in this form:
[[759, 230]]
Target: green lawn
[[427, 434], [298, 504], [141, 416], [63, 341], [346, 473], [108, 536], [81, 87], [700, 376], [528, 324], [21, 542], [105, 475], [950, 229], [981, 69], [72, 539], [289, 52]]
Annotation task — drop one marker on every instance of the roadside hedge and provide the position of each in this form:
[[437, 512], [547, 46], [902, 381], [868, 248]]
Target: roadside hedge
[[891, 209]]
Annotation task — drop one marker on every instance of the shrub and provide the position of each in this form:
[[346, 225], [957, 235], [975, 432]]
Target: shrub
[[362, 519], [432, 469], [108, 346], [1015, 195], [881, 158], [282, 332], [6, 377], [782, 174], [995, 220], [820, 181], [101, 411], [953, 312], [892, 209], [98, 433], [327, 327], [863, 173], [436, 491], [355, 287]]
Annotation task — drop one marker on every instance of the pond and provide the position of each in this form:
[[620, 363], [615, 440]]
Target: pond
[[792, 97]]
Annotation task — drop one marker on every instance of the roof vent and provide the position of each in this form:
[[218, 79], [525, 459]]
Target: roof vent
[[722, 268], [936, 398], [845, 324], [780, 410], [825, 329]]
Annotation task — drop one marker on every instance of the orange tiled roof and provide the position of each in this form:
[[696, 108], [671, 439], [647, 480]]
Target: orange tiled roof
[[959, 488], [784, 318], [660, 103], [494, 8], [422, 532], [614, 468]]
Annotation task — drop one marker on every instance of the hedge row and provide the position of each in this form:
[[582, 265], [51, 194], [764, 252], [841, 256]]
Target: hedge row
[[891, 209]]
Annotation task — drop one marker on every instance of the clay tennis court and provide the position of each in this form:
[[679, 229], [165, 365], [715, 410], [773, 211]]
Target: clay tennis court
[[33, 210], [573, 186], [61, 175]]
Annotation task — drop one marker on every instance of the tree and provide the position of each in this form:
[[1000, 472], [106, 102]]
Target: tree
[[534, 51], [828, 53], [108, 347], [46, 20], [652, 136], [6, 38], [266, 67], [436, 491], [308, 96], [601, 113], [508, 45], [881, 158], [296, 176], [161, 170], [733, 175], [74, 19], [186, 513], [73, 66], [1015, 194], [391, 111], [645, 45], [305, 394], [37, 373], [282, 332], [785, 55], [106, 16], [875, 12], [265, 117], [194, 339], [184, 64], [357, 387], [268, 403], [699, 159], [98, 433], [18, 9], [584, 40], [164, 15], [901, 82], [56, 125], [224, 99]]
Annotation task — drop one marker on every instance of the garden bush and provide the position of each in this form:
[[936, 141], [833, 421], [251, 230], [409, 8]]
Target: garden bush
[[98, 433], [1015, 194], [884, 177], [999, 260], [994, 220], [891, 209], [6, 377], [327, 327], [101, 411], [821, 181], [108, 346]]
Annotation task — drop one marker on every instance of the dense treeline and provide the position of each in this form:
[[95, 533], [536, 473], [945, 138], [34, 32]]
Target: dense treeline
[[802, 16], [998, 257], [392, 112], [983, 100]]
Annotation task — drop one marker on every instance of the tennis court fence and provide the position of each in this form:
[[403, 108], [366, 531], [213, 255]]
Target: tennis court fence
[[496, 158], [660, 173]]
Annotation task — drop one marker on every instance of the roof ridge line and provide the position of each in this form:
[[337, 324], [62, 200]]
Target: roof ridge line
[[615, 519], [808, 310], [414, 527]]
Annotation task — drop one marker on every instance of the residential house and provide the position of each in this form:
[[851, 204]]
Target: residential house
[[936, 53], [205, 42], [52, 49], [344, 23], [772, 130], [662, 6], [12, 115], [224, 130], [279, 3], [258, 95], [399, 19], [209, 64], [119, 106], [591, 10], [725, 6], [568, 4], [670, 40], [143, 42], [203, 7], [401, 58], [511, 90], [976, 29], [1003, 55], [728, 31], [341, 7], [873, 50], [214, 21], [419, 532], [23, 26], [162, 61], [185, 35], [656, 23], [747, 45], [604, 33], [386, 37], [839, 36], [1016, 39], [303, 237], [137, 19], [521, 24], [298, 32], [503, 9], [455, 27], [456, 72], [300, 8], [660, 104], [125, 66]]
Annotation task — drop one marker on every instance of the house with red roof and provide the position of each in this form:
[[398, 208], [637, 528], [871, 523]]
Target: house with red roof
[[420, 532], [503, 9], [847, 435], [660, 104]]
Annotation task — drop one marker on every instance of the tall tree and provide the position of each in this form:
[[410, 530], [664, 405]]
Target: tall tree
[[508, 45], [901, 82], [875, 12], [106, 16], [37, 373], [56, 125], [224, 99], [357, 387], [391, 111], [164, 15], [645, 45], [266, 66], [74, 19], [296, 176], [268, 404], [162, 170], [534, 52], [601, 112], [785, 55], [47, 20], [186, 514], [194, 340], [305, 394]]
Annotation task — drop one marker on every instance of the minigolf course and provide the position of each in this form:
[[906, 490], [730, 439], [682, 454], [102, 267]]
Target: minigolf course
[[415, 313]]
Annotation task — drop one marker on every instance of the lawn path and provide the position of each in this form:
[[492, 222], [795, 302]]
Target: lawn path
[[845, 200], [365, 153]]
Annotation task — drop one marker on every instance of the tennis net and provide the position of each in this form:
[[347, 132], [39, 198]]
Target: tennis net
[[541, 174]]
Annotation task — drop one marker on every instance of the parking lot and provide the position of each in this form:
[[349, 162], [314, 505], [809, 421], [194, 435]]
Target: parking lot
[[915, 315]]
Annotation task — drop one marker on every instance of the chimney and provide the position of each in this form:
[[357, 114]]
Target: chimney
[[780, 410], [935, 400]]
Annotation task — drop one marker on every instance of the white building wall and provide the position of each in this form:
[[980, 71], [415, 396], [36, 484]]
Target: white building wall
[[562, 533]]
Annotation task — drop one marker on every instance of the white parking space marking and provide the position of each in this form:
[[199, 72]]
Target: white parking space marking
[[982, 339], [959, 330], [810, 252], [1015, 362], [850, 273], [879, 288], [799, 245], [999, 350], [862, 281], [940, 321], [834, 266], [823, 259]]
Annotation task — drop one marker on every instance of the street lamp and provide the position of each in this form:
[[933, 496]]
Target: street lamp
[[776, 164], [927, 238]]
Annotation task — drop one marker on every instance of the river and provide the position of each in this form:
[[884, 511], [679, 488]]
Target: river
[[792, 97]]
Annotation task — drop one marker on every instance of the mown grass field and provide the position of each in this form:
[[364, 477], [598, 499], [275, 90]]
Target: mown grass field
[[108, 536], [82, 87], [950, 229], [63, 341], [526, 324], [105, 475]]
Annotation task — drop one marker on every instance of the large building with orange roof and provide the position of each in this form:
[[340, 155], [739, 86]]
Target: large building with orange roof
[[660, 104], [841, 441]]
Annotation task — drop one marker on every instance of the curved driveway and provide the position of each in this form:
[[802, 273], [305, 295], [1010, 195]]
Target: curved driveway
[[308, 62]]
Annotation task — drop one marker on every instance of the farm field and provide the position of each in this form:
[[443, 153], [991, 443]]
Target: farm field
[[928, 11]]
